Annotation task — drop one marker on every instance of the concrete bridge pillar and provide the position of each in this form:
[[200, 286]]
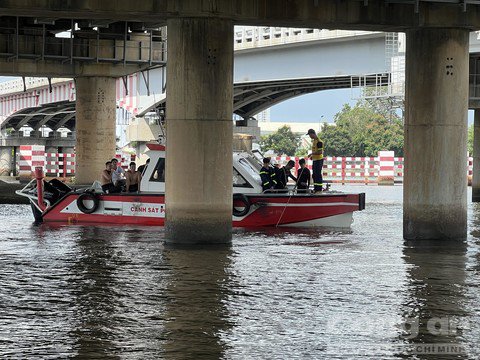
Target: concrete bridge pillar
[[476, 158], [95, 126], [199, 131], [435, 183], [6, 160]]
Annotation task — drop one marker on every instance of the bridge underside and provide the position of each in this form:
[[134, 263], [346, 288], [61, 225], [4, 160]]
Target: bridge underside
[[250, 98], [200, 44], [379, 15], [53, 116]]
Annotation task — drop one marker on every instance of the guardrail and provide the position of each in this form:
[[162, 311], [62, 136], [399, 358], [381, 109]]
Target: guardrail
[[55, 164], [254, 37], [384, 169]]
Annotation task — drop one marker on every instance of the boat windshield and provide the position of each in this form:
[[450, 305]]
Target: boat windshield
[[251, 170]]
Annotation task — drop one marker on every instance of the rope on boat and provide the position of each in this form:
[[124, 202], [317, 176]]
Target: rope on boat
[[289, 198]]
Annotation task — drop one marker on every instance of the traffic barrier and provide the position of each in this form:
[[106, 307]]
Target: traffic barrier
[[29, 157], [384, 169], [386, 172], [470, 171], [60, 164], [53, 164]]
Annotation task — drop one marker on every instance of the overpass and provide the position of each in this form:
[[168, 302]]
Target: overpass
[[200, 50], [249, 99]]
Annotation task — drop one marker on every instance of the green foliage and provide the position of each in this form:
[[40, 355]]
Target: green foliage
[[302, 151], [362, 131], [470, 140], [282, 142], [370, 126]]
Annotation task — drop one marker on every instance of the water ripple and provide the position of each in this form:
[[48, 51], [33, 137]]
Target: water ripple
[[117, 292]]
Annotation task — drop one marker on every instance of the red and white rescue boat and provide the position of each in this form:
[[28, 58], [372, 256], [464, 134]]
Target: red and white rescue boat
[[251, 207]]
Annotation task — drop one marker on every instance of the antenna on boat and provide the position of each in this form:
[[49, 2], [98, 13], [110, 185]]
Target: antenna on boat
[[161, 122]]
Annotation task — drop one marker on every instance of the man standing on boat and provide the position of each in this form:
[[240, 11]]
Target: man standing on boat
[[317, 157], [267, 174]]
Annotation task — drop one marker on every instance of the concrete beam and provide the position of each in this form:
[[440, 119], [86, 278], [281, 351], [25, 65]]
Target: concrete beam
[[59, 69], [333, 14]]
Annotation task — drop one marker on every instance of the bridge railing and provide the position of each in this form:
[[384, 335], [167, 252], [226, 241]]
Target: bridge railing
[[252, 37]]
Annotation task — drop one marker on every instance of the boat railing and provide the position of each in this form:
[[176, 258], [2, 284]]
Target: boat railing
[[27, 191]]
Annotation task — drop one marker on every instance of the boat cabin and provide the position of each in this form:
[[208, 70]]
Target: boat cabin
[[246, 172]]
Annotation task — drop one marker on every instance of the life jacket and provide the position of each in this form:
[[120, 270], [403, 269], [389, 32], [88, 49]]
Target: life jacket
[[317, 144]]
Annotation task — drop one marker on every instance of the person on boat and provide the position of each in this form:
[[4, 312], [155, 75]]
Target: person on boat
[[141, 168], [267, 174], [317, 157], [118, 175], [304, 175], [106, 179], [283, 174], [132, 177]]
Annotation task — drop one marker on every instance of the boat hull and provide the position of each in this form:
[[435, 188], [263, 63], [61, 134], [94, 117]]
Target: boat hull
[[330, 210]]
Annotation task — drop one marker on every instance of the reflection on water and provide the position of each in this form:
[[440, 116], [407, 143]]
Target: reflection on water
[[94, 298], [435, 310], [196, 315], [117, 292]]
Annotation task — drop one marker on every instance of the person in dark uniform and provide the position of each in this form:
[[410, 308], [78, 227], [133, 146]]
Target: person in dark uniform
[[267, 174], [283, 174], [304, 175], [317, 157], [141, 168]]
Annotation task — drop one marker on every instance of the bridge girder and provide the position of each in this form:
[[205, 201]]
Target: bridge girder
[[381, 15]]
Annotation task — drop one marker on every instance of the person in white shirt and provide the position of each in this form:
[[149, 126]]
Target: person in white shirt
[[118, 175]]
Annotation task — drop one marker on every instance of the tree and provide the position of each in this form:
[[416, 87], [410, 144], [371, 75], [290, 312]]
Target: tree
[[361, 131], [282, 142]]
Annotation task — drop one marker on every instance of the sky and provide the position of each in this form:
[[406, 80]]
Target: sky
[[317, 107]]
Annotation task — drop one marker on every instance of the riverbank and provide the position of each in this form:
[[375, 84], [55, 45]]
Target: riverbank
[[8, 185]]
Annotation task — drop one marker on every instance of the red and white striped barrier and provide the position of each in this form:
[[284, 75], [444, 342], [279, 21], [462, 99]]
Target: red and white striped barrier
[[60, 164], [386, 172], [384, 169], [54, 164], [29, 157], [338, 169]]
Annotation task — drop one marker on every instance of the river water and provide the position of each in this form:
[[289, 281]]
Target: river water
[[118, 292]]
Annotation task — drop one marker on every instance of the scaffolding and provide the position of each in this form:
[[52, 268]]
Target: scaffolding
[[389, 90]]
